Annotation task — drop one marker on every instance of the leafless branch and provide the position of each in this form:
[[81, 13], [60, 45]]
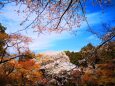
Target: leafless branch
[[18, 56]]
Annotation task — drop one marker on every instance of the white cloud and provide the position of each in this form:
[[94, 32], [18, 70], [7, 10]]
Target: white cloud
[[45, 41], [93, 18], [93, 38]]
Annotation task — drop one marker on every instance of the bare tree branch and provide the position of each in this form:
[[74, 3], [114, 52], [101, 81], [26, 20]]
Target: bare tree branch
[[18, 56]]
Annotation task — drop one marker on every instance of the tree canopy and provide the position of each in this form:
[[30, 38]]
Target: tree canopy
[[56, 15]]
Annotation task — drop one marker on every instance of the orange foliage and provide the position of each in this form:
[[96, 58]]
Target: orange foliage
[[88, 79], [22, 72], [3, 36], [29, 64], [30, 70]]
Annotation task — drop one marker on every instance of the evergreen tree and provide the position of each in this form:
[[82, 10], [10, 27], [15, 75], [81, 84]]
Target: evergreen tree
[[3, 37]]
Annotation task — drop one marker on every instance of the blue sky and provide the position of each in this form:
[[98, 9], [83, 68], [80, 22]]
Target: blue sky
[[65, 40]]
